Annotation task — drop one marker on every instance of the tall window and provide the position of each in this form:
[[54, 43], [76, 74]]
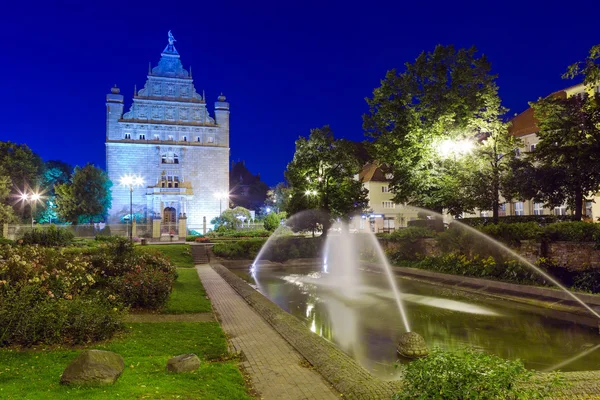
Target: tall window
[[128, 136], [538, 208], [142, 137], [562, 210], [389, 223], [169, 181], [385, 189], [502, 210], [185, 138], [388, 204], [519, 208], [532, 147], [197, 138], [170, 158], [588, 209]]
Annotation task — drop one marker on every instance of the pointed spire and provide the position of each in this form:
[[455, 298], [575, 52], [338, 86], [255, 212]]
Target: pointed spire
[[203, 95], [134, 90], [190, 71], [149, 68]]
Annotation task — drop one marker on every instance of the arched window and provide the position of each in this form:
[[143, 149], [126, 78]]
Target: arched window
[[170, 158]]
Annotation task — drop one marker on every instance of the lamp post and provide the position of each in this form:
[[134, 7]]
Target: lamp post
[[31, 198], [131, 181], [221, 196]]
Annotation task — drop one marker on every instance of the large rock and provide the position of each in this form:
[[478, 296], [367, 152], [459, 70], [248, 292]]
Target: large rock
[[93, 367], [183, 363]]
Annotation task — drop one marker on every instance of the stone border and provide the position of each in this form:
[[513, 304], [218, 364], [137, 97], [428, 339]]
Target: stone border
[[344, 374]]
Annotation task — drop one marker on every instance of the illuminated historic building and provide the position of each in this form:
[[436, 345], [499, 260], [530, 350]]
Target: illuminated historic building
[[168, 139]]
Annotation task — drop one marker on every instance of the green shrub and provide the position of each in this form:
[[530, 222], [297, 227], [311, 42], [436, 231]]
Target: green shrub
[[576, 231], [436, 224], [239, 234], [192, 238], [511, 219], [6, 241], [241, 249], [513, 233], [272, 221], [143, 287], [409, 244], [30, 314], [50, 236], [470, 374]]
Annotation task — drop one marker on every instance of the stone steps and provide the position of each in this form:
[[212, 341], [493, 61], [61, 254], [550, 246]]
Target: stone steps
[[200, 254]]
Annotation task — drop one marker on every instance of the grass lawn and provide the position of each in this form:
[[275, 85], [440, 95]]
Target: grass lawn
[[180, 254], [188, 294], [145, 349]]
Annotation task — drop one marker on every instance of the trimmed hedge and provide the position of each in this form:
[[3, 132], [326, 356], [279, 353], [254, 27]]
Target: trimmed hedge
[[280, 248], [514, 219]]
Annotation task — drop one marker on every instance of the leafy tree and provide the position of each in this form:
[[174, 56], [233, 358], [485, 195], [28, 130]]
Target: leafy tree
[[86, 198], [56, 172], [6, 211], [272, 220], [444, 96], [277, 197], [321, 177], [565, 167], [231, 219], [24, 169], [566, 157]]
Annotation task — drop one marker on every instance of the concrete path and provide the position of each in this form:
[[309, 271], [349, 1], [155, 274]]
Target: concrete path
[[275, 368]]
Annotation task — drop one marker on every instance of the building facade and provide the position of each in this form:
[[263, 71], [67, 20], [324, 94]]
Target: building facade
[[169, 140], [384, 215]]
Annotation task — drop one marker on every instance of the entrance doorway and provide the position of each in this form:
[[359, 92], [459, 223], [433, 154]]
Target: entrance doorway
[[169, 221]]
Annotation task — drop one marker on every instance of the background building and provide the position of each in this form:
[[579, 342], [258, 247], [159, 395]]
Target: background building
[[170, 140]]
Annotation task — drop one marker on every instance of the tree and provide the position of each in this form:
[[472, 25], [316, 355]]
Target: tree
[[273, 220], [56, 172], [445, 96], [24, 169], [277, 198], [231, 219], [565, 167], [86, 198], [321, 177], [566, 157], [6, 211]]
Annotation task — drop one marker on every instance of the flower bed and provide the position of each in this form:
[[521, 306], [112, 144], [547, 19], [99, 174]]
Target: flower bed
[[50, 295]]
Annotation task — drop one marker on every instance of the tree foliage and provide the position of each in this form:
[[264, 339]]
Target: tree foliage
[[86, 198], [321, 177], [565, 167], [445, 95], [231, 219]]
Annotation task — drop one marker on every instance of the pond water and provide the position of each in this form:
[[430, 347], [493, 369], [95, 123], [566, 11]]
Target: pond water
[[368, 326]]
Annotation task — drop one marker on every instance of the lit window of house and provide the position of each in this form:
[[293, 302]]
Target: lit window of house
[[562, 210], [128, 136], [588, 209], [485, 214], [532, 147], [538, 208], [502, 210], [388, 204], [519, 208]]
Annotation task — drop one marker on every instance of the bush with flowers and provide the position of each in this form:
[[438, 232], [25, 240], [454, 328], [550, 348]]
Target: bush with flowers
[[50, 295]]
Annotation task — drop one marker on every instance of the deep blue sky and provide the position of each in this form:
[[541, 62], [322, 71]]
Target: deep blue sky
[[284, 66]]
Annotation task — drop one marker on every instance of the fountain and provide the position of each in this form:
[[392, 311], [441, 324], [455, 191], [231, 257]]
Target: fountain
[[342, 288]]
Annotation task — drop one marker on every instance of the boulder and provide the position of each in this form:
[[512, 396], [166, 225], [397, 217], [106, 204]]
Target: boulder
[[183, 363], [93, 367]]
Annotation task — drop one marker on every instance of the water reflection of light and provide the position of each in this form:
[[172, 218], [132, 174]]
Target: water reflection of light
[[309, 308], [313, 326], [575, 358]]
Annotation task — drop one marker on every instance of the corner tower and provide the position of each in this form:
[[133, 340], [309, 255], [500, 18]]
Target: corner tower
[[170, 140]]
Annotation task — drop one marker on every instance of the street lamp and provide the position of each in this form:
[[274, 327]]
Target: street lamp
[[221, 196], [33, 199], [131, 181]]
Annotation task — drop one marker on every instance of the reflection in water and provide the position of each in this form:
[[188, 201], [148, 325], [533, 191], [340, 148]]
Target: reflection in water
[[368, 326]]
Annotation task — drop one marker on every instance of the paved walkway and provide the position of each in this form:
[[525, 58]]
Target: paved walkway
[[273, 365]]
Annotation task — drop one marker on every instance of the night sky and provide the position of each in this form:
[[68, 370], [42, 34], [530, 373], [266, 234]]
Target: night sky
[[284, 68]]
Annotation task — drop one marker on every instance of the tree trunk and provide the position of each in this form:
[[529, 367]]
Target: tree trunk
[[496, 200], [578, 204]]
